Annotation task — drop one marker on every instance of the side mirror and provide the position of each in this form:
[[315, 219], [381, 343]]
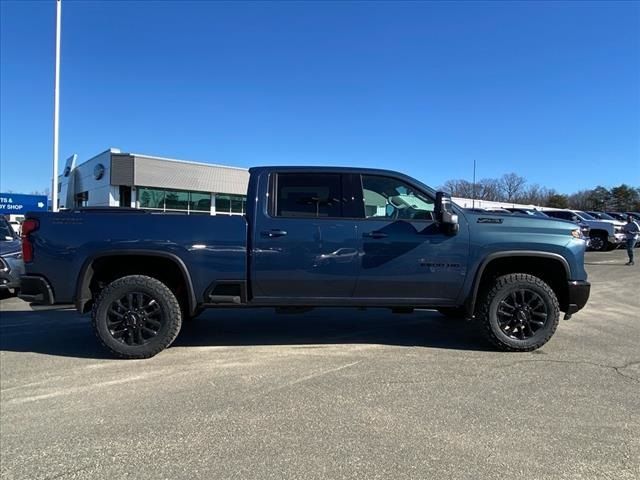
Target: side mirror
[[444, 214]]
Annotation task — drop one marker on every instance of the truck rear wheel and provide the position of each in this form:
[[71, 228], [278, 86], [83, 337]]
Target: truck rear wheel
[[519, 313], [136, 317]]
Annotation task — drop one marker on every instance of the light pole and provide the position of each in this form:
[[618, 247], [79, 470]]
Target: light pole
[[56, 110]]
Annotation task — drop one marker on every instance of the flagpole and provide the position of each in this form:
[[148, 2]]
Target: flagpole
[[56, 110]]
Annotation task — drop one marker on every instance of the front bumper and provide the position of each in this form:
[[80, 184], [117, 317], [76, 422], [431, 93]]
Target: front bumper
[[36, 290], [11, 268], [578, 294], [618, 238]]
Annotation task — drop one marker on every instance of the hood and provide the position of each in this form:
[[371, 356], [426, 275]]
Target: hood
[[9, 246], [519, 221], [617, 223]]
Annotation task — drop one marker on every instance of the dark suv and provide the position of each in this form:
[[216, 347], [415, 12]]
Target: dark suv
[[11, 266]]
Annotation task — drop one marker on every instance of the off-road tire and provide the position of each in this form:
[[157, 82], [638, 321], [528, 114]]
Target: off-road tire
[[171, 314], [488, 316]]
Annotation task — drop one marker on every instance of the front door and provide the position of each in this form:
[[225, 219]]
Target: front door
[[303, 247], [404, 254]]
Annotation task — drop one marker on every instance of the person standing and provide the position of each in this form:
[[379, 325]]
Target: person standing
[[631, 230]]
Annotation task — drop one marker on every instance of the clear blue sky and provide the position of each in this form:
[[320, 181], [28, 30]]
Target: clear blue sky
[[549, 90]]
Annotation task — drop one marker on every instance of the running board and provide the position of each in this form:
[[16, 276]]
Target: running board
[[232, 299]]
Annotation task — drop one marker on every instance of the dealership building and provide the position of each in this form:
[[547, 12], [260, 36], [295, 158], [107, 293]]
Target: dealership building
[[117, 179]]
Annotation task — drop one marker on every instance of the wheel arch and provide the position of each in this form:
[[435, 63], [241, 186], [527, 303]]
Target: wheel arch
[[84, 294], [522, 261]]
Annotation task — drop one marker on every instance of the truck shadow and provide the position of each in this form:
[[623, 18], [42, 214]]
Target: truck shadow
[[65, 333]]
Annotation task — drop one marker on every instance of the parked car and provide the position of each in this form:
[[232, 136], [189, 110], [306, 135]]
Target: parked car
[[311, 237], [11, 266], [605, 234], [621, 217], [527, 211], [635, 215], [584, 228], [15, 225], [602, 216], [488, 210]]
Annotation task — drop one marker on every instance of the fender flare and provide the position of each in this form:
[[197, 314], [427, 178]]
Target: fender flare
[[471, 299], [83, 294]]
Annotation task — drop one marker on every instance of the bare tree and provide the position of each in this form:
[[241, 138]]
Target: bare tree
[[581, 200], [512, 185], [458, 188], [489, 189]]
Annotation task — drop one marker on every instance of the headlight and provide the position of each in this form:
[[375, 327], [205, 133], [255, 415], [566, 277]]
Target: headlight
[[575, 233]]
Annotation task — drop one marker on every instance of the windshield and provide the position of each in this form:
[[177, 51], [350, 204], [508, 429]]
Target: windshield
[[585, 216], [536, 213], [6, 232], [604, 216]]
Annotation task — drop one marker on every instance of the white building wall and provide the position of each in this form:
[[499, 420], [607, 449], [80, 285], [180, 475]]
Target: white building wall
[[470, 203], [114, 196], [100, 192]]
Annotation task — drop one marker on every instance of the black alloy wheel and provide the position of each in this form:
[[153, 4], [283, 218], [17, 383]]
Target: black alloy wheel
[[598, 242], [136, 316], [521, 313]]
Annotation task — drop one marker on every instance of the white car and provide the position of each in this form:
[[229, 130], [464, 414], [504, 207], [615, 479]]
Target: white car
[[17, 226], [605, 234]]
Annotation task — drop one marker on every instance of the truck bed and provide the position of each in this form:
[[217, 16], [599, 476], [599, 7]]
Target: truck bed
[[209, 247]]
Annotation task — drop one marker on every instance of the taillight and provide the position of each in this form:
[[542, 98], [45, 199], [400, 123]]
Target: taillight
[[28, 226]]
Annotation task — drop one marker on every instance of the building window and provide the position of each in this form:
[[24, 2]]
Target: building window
[[174, 200], [81, 199], [200, 202], [151, 198], [231, 204], [125, 196]]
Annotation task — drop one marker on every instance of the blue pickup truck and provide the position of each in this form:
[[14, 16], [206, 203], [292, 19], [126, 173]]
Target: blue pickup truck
[[311, 237]]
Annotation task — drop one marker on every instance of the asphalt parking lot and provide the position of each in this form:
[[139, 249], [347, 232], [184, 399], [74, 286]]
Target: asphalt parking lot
[[328, 394]]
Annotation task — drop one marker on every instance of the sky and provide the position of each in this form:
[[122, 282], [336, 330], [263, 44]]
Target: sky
[[548, 90]]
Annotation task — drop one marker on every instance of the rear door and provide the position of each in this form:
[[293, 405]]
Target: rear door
[[404, 254], [305, 245]]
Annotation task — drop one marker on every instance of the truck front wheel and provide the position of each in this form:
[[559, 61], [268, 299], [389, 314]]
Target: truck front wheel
[[519, 313], [599, 241], [136, 317]]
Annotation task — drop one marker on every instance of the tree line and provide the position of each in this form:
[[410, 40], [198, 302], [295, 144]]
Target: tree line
[[513, 188]]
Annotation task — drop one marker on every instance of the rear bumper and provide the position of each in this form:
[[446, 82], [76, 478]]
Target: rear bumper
[[36, 290], [578, 294]]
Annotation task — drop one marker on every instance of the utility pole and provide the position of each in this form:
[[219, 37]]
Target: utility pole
[[56, 110], [473, 202]]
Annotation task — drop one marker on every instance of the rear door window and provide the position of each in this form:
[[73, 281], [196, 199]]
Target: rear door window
[[308, 195]]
